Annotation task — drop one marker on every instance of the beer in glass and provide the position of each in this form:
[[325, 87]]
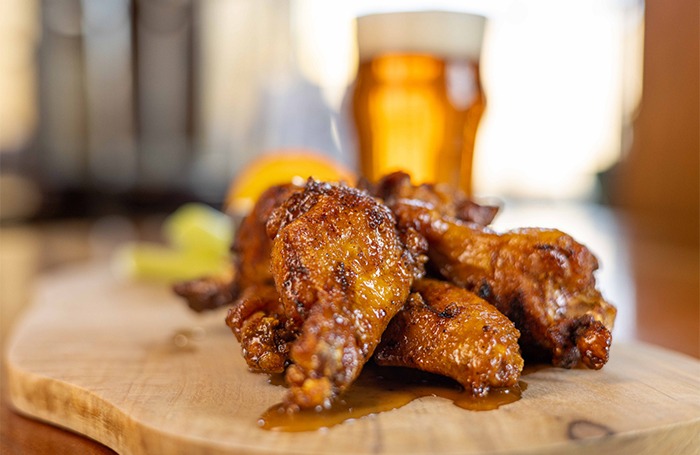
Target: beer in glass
[[418, 99]]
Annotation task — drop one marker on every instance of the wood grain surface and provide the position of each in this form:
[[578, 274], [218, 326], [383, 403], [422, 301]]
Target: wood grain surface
[[128, 365]]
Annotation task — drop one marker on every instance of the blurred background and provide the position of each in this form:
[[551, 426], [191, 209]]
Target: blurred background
[[139, 102], [128, 108], [113, 113]]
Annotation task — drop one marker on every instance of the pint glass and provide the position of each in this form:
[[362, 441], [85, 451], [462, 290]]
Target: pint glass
[[418, 98]]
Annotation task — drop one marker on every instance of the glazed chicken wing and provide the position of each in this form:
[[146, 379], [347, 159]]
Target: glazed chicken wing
[[541, 279], [343, 270], [440, 197], [259, 322], [447, 330], [257, 318], [323, 273]]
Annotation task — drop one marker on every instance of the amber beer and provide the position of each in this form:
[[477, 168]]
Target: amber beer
[[418, 98]]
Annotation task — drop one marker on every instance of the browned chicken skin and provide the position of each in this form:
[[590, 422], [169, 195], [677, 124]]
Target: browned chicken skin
[[259, 322], [343, 271], [252, 245], [541, 279], [210, 292], [447, 330], [444, 199], [257, 317]]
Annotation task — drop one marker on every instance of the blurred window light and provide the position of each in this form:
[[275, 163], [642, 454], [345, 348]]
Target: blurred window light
[[162, 68], [63, 104], [325, 46], [18, 79], [254, 94], [562, 81]]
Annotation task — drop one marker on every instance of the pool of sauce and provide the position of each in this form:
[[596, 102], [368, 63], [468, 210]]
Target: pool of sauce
[[384, 389]]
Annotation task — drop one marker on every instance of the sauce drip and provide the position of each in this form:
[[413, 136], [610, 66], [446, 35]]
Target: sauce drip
[[384, 389]]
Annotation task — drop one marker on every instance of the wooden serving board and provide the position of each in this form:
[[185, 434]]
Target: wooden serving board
[[128, 365]]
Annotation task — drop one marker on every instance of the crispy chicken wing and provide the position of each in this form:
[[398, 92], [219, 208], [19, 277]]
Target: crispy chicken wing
[[343, 270], [257, 317], [443, 198], [259, 322], [541, 279], [448, 330]]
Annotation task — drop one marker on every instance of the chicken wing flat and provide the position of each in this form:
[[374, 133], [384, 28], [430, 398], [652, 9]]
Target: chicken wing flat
[[542, 279], [442, 198], [447, 330], [343, 270]]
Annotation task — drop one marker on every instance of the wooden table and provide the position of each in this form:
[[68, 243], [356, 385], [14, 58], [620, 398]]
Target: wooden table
[[656, 274]]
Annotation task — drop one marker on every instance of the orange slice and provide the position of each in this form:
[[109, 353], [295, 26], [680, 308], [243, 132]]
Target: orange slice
[[279, 167]]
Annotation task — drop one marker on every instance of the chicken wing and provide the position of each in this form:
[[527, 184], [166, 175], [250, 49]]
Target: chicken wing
[[447, 330], [343, 270], [259, 322], [542, 279], [444, 199]]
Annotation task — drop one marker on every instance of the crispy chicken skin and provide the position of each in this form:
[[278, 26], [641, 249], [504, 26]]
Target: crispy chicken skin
[[447, 330], [343, 270], [259, 322], [542, 279], [252, 245], [210, 292], [443, 198]]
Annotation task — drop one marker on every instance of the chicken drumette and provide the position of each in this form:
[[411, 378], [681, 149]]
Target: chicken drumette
[[343, 270], [448, 330]]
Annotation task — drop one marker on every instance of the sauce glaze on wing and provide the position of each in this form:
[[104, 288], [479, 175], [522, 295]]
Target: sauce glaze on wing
[[542, 279], [448, 330], [343, 271]]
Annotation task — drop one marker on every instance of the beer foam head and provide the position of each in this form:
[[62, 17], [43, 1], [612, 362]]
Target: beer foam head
[[447, 34]]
